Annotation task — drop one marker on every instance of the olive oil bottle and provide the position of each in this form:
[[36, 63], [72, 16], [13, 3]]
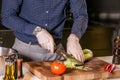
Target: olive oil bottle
[[9, 69]]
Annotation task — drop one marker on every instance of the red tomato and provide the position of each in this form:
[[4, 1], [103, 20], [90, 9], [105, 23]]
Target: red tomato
[[58, 67]]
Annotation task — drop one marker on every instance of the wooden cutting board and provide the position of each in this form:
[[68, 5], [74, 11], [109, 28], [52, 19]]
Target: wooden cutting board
[[42, 70]]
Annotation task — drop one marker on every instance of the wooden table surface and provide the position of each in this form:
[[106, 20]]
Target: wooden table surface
[[29, 76]]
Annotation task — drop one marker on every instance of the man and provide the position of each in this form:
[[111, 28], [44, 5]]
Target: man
[[38, 24]]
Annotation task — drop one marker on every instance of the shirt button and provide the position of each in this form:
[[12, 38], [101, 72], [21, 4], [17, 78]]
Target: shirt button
[[47, 11], [46, 24]]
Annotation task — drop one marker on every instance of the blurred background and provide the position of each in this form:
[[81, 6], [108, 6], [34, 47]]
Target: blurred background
[[103, 27]]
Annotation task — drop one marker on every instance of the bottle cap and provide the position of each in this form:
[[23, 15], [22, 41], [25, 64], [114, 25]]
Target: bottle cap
[[19, 56], [9, 59]]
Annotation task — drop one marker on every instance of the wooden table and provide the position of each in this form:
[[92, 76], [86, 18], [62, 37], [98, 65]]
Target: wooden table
[[29, 76]]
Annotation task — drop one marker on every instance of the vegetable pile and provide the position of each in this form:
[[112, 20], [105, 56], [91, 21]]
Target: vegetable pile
[[59, 67]]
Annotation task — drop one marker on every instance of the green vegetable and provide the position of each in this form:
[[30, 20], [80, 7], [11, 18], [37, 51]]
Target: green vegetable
[[73, 63]]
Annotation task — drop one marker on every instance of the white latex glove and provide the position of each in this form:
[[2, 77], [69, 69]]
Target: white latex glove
[[74, 48], [45, 39]]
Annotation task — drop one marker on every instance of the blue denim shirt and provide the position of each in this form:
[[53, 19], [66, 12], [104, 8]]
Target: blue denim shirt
[[22, 16]]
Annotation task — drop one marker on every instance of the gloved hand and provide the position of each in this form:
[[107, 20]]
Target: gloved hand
[[45, 39], [74, 48]]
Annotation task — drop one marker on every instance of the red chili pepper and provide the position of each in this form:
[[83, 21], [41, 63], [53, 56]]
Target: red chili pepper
[[106, 67], [112, 67], [109, 67]]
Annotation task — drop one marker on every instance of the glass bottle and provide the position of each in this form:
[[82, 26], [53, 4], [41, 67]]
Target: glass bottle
[[18, 74], [19, 66], [9, 69], [14, 56], [116, 51]]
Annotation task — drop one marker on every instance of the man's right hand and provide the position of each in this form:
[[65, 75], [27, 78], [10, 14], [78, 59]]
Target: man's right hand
[[45, 39]]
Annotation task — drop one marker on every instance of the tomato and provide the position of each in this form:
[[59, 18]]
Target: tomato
[[58, 67]]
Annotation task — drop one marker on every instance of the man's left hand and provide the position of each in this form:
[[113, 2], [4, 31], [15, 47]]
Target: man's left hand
[[74, 48]]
